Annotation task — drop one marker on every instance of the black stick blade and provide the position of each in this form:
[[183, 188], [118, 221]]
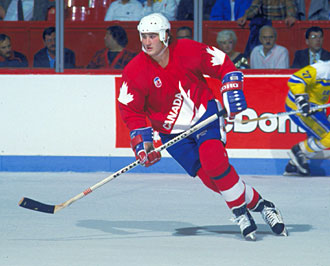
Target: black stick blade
[[36, 205]]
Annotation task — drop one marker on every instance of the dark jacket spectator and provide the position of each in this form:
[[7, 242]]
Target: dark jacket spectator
[[301, 58], [102, 59], [114, 55], [314, 52], [186, 9], [16, 59], [45, 58], [8, 57], [41, 59]]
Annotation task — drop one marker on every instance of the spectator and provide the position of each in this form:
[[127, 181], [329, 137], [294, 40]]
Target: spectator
[[226, 41], [317, 10], [31, 10], [269, 55], [8, 57], [45, 58], [184, 32], [167, 7], [229, 9], [114, 55], [314, 52], [186, 9], [124, 10], [263, 12], [272, 10]]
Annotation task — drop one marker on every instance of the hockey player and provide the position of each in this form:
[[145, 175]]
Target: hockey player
[[309, 86], [165, 83]]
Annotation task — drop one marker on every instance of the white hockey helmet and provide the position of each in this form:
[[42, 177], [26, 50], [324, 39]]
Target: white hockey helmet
[[156, 23]]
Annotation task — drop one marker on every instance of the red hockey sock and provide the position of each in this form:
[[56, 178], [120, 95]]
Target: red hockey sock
[[252, 197], [207, 180], [214, 160]]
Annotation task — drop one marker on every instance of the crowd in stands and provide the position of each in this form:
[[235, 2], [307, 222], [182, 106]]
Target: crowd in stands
[[261, 51]]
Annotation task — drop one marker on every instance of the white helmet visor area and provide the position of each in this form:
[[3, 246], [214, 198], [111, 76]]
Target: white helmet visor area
[[155, 23]]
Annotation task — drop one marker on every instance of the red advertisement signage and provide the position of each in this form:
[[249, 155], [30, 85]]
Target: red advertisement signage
[[265, 95]]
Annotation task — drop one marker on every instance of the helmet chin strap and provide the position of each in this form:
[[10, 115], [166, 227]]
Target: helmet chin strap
[[163, 50]]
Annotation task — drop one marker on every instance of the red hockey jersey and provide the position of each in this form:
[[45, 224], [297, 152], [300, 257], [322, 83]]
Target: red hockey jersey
[[175, 97]]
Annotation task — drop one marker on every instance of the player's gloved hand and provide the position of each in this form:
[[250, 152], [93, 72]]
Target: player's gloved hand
[[303, 104], [232, 93], [142, 145]]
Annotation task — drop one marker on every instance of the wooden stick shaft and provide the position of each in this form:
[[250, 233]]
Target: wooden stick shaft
[[137, 162]]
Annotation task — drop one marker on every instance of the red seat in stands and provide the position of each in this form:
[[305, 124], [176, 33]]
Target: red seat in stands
[[100, 8]]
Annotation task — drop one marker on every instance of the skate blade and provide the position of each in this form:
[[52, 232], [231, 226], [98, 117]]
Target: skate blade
[[285, 232], [251, 236], [291, 174], [295, 174], [293, 158]]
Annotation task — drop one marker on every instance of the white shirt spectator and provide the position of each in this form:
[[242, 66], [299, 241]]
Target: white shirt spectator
[[11, 14], [119, 10], [167, 7], [277, 57]]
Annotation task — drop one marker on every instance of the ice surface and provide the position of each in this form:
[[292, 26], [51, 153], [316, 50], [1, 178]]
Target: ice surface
[[157, 220]]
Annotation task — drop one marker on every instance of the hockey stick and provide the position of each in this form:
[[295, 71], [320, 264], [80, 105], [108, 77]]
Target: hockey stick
[[315, 108], [42, 207]]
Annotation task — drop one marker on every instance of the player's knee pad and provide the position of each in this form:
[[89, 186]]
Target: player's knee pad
[[326, 141], [213, 157]]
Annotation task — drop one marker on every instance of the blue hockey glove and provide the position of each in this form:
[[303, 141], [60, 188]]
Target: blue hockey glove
[[232, 93], [303, 104], [142, 145]]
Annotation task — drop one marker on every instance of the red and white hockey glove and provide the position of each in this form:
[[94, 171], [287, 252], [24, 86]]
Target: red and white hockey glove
[[232, 93], [142, 145]]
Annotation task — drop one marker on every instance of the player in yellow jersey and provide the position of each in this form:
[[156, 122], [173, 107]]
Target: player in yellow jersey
[[310, 86]]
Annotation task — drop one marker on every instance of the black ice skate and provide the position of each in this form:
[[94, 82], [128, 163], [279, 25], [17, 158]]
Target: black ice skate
[[292, 170], [272, 216], [299, 159], [246, 223]]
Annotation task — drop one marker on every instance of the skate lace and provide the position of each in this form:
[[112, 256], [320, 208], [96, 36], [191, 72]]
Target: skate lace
[[271, 216], [243, 221]]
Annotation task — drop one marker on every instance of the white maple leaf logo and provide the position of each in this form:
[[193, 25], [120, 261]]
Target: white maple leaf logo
[[156, 136], [218, 57], [125, 97]]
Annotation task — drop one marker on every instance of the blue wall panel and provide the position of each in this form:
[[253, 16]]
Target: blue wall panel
[[166, 165]]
